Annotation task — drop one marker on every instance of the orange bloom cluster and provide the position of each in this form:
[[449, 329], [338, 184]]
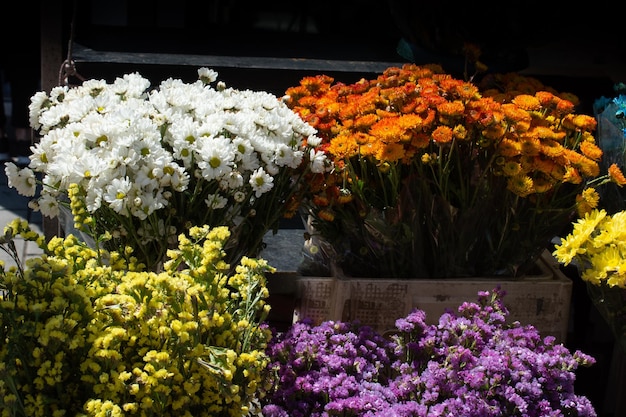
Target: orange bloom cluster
[[416, 131], [406, 113], [504, 87]]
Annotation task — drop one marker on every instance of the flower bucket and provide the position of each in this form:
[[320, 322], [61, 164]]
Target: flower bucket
[[611, 304], [541, 298]]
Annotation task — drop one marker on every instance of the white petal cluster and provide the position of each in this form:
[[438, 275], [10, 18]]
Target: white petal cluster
[[133, 148]]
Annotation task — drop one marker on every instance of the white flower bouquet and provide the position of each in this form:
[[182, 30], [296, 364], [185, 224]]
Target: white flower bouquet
[[151, 163]]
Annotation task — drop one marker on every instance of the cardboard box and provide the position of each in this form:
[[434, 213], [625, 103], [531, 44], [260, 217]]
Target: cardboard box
[[541, 299]]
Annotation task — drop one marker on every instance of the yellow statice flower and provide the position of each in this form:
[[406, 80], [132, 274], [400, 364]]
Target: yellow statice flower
[[89, 331]]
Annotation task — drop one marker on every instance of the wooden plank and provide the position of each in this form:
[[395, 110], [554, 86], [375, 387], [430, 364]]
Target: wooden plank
[[84, 54]]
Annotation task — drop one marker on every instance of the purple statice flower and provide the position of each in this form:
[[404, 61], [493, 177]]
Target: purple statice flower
[[334, 365], [471, 363]]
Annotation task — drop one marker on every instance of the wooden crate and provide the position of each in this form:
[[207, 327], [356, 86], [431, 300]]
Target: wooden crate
[[541, 299]]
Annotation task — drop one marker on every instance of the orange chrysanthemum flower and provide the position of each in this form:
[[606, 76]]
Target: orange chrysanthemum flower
[[494, 131], [552, 148], [321, 200], [542, 184], [572, 176], [451, 108], [317, 82], [564, 107], [591, 150], [363, 138], [568, 102], [545, 132], [509, 148], [579, 121], [420, 140], [515, 113], [410, 122], [343, 146], [582, 208], [390, 152], [365, 122], [527, 102], [348, 111], [345, 196], [547, 166], [588, 167], [522, 185], [442, 134], [521, 126], [546, 98], [295, 93], [326, 215], [511, 168], [587, 201], [308, 102], [591, 197], [467, 91], [387, 130], [616, 175], [530, 145]]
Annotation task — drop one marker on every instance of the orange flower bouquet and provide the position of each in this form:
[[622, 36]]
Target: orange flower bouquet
[[432, 178]]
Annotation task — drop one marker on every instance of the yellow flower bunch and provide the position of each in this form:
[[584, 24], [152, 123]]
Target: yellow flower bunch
[[433, 178], [85, 331], [597, 244]]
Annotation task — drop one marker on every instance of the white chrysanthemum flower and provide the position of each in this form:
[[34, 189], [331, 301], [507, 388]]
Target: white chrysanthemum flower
[[93, 86], [233, 181], [53, 117], [271, 168], [243, 148], [180, 179], [38, 104], [23, 180], [217, 157], [216, 201], [146, 203], [49, 205], [285, 156], [182, 136], [117, 193], [69, 158], [59, 93], [263, 147], [130, 85], [171, 175], [93, 199], [313, 140], [319, 162], [261, 182], [207, 75]]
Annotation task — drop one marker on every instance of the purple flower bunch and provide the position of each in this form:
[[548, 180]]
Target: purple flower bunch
[[472, 363]]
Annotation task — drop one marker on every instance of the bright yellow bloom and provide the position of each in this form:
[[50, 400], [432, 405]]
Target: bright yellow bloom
[[597, 242]]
